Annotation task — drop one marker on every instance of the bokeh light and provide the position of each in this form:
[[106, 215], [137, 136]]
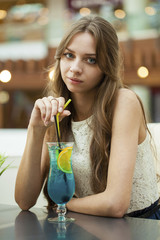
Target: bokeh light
[[150, 11], [4, 97], [84, 11], [5, 76], [142, 72], [3, 14], [51, 74], [119, 13]]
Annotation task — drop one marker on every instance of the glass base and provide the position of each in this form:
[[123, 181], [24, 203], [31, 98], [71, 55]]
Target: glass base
[[60, 220], [61, 211]]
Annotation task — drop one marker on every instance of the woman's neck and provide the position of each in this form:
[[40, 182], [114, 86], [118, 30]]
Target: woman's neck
[[83, 107]]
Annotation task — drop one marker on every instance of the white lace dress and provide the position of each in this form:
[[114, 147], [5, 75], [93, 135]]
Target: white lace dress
[[144, 189]]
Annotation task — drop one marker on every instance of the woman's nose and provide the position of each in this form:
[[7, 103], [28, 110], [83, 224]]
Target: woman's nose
[[76, 67]]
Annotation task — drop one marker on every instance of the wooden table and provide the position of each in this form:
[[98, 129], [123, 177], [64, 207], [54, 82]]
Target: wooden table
[[33, 225]]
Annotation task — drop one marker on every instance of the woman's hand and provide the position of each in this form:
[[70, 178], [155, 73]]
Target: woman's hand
[[44, 110]]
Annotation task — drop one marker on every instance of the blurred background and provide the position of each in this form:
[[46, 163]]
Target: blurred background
[[30, 31]]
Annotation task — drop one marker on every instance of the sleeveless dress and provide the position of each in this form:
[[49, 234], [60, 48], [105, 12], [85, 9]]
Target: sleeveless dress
[[144, 196]]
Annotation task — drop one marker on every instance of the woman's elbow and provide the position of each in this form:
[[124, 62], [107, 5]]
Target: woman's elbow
[[116, 209], [119, 212], [24, 205]]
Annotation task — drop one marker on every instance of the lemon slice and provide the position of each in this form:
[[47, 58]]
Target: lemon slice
[[64, 160]]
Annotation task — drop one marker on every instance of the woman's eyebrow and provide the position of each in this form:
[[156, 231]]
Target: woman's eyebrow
[[87, 54]]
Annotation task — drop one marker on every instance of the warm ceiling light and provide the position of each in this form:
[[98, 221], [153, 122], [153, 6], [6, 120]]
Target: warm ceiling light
[[5, 76], [119, 13], [84, 11], [142, 72], [150, 11], [3, 14]]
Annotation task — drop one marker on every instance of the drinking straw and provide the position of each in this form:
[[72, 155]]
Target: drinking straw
[[56, 120], [57, 116], [56, 125]]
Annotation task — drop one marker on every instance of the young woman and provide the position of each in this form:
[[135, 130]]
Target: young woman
[[112, 158]]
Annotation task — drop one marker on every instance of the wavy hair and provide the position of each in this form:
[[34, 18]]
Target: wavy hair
[[109, 61]]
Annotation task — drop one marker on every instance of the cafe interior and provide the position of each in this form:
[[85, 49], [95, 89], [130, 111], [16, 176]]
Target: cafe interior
[[30, 31]]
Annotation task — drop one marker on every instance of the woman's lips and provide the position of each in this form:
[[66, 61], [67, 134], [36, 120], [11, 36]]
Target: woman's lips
[[75, 80]]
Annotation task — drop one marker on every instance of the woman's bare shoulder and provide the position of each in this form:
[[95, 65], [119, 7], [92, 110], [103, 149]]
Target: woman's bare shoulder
[[127, 93], [128, 99], [127, 107]]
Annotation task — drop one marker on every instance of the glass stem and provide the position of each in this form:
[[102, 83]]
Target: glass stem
[[61, 211]]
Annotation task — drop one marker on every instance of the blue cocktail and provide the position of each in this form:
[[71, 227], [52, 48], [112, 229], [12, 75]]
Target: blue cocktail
[[61, 184]]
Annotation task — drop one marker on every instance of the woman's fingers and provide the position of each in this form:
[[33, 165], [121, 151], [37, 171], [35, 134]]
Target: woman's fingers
[[48, 110], [57, 106], [65, 113], [49, 107], [61, 101], [39, 104]]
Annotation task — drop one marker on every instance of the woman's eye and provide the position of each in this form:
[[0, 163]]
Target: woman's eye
[[91, 60], [68, 55]]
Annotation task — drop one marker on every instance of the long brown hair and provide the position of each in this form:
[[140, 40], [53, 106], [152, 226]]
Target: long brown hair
[[109, 61]]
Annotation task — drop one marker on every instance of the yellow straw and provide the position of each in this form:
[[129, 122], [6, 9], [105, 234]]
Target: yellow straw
[[57, 116]]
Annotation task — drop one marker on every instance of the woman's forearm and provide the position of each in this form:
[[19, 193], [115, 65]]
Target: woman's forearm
[[30, 178], [99, 205]]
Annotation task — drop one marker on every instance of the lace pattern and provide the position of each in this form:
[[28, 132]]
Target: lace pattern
[[81, 158], [144, 189]]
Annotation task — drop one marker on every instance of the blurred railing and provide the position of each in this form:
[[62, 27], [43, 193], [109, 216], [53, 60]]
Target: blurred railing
[[137, 53], [32, 74], [25, 74]]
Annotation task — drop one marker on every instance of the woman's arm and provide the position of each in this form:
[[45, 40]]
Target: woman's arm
[[126, 134], [31, 172], [35, 159]]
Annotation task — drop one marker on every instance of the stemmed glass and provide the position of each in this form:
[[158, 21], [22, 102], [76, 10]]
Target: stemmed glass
[[61, 184]]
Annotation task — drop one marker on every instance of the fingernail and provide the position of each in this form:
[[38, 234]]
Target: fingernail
[[60, 109], [68, 113]]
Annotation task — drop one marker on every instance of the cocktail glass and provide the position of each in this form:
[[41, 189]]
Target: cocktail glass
[[61, 184]]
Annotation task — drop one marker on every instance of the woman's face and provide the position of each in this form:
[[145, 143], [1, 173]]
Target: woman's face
[[79, 69]]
